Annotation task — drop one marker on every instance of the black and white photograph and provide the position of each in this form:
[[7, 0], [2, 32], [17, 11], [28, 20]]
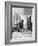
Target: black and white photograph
[[21, 24]]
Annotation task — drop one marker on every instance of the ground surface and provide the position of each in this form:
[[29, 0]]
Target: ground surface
[[21, 36]]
